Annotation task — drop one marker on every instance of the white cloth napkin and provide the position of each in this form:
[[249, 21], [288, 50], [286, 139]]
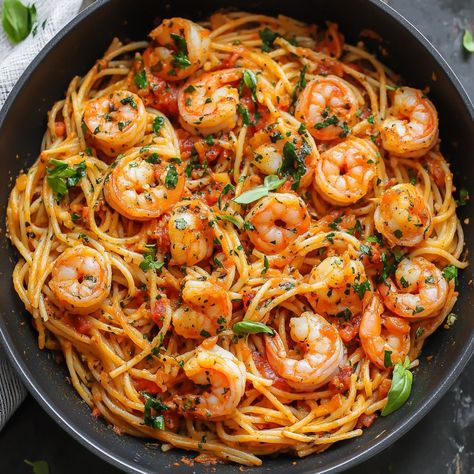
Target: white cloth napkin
[[52, 16]]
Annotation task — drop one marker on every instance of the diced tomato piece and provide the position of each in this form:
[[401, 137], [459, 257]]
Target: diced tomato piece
[[247, 298], [159, 310], [342, 381], [230, 61], [81, 324], [384, 388], [364, 421], [144, 385], [267, 371]]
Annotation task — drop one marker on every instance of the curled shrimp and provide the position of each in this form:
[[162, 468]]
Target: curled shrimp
[[222, 378], [142, 187], [325, 105], [342, 276], [411, 127], [276, 221], [268, 147], [208, 104], [379, 334], [180, 47], [322, 350], [81, 279], [420, 290], [190, 234], [344, 173], [206, 309], [115, 121], [402, 216]]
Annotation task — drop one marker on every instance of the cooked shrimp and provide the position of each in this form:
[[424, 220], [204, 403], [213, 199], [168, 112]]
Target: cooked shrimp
[[206, 309], [342, 275], [327, 106], [81, 279], [402, 216], [420, 292], [411, 128], [379, 334], [322, 350], [180, 48], [190, 234], [344, 173], [268, 150], [208, 104], [115, 121], [142, 187], [276, 220], [221, 377]]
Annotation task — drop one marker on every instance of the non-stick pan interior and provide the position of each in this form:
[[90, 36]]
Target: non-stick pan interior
[[22, 124]]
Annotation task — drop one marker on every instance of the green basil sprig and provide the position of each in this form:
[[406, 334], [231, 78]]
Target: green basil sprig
[[400, 390], [250, 80], [18, 20], [39, 467], [467, 41], [270, 183], [251, 327]]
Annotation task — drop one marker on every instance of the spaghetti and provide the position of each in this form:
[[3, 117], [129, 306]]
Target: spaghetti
[[238, 234]]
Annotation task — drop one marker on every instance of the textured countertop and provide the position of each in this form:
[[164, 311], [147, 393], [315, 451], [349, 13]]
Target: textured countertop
[[443, 442]]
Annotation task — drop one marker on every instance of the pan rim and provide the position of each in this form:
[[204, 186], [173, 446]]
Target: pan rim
[[358, 457]]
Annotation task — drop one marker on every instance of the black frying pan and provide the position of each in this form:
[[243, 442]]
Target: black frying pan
[[22, 124]]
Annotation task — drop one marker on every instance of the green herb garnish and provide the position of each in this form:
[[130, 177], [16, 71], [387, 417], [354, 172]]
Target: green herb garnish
[[251, 327], [270, 183], [400, 390]]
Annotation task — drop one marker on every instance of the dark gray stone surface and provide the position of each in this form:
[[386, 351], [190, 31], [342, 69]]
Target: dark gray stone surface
[[443, 442]]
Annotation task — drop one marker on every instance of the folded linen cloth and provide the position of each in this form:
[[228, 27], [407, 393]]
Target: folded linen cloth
[[52, 16]]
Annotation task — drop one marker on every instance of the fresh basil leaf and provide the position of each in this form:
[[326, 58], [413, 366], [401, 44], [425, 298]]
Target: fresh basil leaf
[[467, 41], [270, 183], [18, 20], [251, 327], [227, 217], [251, 195], [250, 80], [39, 467], [273, 182], [400, 390]]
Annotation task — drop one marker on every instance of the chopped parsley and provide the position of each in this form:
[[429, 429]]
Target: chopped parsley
[[180, 57], [171, 178], [451, 272], [294, 162], [268, 37], [130, 101], [361, 288], [141, 80], [158, 122], [156, 421], [61, 176]]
